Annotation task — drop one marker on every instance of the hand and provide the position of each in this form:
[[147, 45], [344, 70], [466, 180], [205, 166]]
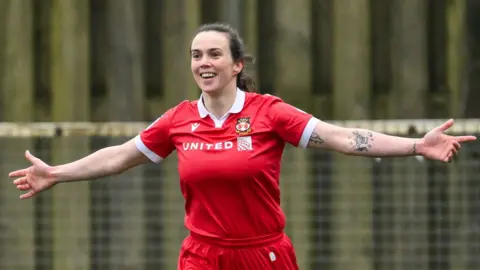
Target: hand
[[35, 178], [436, 145]]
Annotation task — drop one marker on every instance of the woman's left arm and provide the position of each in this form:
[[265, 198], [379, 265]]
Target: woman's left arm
[[361, 142]]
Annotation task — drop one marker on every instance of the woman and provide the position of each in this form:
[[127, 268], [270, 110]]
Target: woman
[[230, 143]]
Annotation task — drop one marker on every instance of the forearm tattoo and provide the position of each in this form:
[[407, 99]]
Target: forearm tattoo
[[361, 141], [414, 151], [315, 139]]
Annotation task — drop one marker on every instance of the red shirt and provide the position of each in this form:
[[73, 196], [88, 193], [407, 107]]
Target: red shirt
[[229, 168]]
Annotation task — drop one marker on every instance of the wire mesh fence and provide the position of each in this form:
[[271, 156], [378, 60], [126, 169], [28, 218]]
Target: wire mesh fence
[[342, 212]]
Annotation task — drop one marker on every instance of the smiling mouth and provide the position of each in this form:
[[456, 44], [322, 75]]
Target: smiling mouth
[[208, 75]]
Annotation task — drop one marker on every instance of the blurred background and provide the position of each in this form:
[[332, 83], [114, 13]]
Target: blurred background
[[106, 68]]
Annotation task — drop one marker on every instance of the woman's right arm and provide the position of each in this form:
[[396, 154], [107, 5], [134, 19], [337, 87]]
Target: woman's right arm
[[104, 162]]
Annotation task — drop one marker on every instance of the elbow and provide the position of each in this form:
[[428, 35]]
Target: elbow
[[126, 157], [117, 161], [115, 169], [344, 147], [348, 152]]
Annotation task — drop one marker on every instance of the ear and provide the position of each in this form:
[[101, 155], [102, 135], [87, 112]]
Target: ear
[[238, 67]]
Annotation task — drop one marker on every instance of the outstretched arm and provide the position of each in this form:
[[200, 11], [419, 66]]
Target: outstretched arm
[[362, 142], [105, 162]]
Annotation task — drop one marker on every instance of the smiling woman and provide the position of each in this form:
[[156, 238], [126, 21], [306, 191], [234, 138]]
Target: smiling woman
[[209, 44], [229, 144]]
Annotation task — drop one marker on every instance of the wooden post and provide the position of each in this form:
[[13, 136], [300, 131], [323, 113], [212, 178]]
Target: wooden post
[[211, 11], [456, 80], [352, 188], [249, 32], [180, 20], [232, 13], [381, 56], [408, 101], [70, 102], [456, 53], [293, 84], [126, 88], [17, 90], [266, 48], [322, 30]]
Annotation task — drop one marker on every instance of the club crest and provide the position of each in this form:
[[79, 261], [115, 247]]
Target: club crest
[[243, 126]]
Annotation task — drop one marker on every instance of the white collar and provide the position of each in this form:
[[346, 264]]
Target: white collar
[[236, 107]]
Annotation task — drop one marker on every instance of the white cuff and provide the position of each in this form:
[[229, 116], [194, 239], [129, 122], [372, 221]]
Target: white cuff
[[307, 132], [147, 152]]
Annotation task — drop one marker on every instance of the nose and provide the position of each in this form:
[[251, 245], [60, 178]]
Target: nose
[[205, 62]]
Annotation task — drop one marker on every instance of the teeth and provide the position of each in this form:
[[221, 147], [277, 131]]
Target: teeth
[[207, 75]]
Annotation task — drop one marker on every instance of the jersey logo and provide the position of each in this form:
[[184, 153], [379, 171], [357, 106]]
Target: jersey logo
[[272, 256], [243, 126], [244, 143], [195, 126]]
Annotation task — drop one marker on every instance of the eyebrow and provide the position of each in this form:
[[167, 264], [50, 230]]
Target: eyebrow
[[211, 49]]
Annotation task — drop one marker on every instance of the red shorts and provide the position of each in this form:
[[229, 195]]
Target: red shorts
[[273, 253]]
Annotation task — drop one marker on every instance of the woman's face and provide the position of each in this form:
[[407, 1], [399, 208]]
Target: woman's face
[[212, 64]]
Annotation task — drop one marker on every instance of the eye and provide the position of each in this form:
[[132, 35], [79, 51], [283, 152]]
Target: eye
[[195, 54], [215, 54]]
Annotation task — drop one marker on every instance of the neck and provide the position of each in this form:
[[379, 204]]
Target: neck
[[220, 103]]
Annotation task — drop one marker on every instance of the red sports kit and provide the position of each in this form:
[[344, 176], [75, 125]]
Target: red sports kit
[[229, 176]]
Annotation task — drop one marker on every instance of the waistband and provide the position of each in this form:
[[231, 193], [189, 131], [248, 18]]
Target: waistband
[[265, 240]]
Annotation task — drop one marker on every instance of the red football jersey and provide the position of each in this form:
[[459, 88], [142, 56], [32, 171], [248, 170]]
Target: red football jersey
[[229, 168]]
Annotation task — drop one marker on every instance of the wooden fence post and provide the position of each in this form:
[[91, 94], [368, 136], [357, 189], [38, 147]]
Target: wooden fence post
[[126, 102], [180, 20], [292, 83], [352, 184], [408, 100], [70, 84], [17, 218]]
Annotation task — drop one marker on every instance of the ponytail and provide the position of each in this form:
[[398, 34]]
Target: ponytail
[[246, 83]]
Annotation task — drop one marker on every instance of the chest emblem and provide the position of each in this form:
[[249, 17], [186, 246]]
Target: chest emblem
[[243, 126]]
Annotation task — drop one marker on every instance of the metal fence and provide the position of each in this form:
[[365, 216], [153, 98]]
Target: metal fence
[[342, 212]]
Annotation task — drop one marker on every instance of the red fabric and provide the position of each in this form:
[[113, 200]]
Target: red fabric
[[229, 172], [199, 255], [229, 175]]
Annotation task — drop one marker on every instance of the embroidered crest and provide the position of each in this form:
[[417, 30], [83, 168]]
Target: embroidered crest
[[243, 126]]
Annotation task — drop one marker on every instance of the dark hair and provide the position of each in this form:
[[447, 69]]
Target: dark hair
[[237, 50]]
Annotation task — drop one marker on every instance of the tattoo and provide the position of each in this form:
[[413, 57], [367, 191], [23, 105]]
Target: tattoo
[[414, 148], [361, 142], [316, 139]]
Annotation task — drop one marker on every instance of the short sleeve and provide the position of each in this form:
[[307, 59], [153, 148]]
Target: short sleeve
[[155, 142], [290, 123]]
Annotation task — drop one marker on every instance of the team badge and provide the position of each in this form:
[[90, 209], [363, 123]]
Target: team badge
[[243, 126]]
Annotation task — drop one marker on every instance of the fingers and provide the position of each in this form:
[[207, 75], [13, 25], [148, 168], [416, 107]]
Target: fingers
[[20, 181], [22, 184], [24, 187], [457, 145], [445, 126], [448, 156], [27, 195], [453, 151], [18, 173], [461, 139], [31, 157]]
